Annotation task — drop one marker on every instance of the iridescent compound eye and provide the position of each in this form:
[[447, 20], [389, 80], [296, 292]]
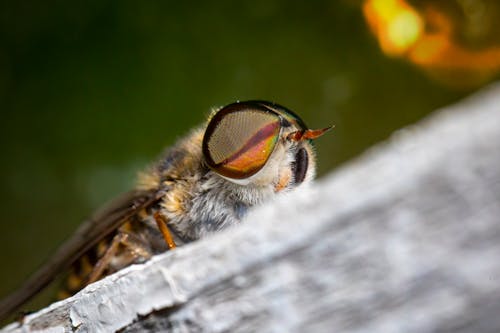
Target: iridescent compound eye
[[240, 139]]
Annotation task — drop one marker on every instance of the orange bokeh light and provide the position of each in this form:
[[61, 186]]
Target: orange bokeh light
[[397, 25], [401, 32]]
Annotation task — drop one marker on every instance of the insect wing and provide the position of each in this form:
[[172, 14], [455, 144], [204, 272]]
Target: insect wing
[[86, 236]]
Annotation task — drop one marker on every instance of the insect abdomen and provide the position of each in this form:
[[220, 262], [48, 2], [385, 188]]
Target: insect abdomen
[[135, 245]]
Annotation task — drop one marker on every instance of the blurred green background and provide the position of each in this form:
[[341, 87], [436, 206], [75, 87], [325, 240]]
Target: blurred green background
[[91, 92]]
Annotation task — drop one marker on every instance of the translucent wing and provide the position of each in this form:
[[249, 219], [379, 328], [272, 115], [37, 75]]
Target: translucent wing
[[86, 236]]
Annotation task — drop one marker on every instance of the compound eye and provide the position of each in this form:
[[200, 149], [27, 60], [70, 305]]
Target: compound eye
[[239, 140]]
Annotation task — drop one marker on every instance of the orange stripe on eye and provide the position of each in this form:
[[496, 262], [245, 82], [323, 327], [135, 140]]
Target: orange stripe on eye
[[254, 154]]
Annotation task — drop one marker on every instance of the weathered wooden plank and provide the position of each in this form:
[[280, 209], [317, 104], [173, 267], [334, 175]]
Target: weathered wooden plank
[[405, 238]]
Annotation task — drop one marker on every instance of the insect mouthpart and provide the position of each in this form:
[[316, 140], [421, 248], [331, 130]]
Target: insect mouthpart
[[307, 134]]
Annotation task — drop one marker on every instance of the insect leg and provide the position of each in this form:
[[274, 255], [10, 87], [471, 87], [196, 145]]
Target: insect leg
[[106, 258], [162, 225], [134, 244]]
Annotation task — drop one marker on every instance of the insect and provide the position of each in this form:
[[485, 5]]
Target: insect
[[245, 154]]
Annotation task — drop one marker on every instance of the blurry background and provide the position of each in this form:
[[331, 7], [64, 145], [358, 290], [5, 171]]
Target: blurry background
[[91, 92]]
